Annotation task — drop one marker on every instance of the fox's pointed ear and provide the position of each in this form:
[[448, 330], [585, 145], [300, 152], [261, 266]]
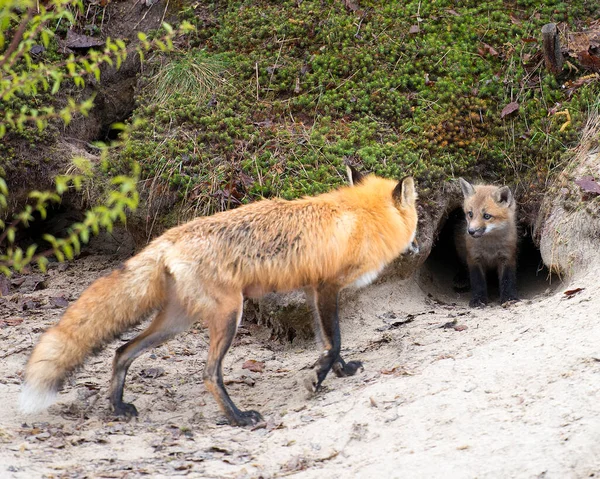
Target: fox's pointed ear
[[467, 188], [354, 176], [404, 192], [503, 195]]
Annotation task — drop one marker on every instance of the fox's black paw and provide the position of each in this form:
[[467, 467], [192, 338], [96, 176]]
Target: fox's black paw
[[246, 418], [311, 383], [478, 303], [125, 409], [343, 369]]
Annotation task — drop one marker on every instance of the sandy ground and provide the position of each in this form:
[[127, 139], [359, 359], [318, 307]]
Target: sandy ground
[[447, 391]]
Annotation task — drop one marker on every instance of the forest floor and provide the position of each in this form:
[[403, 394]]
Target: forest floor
[[447, 391]]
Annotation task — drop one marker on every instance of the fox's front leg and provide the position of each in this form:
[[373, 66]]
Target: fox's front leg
[[479, 296], [507, 277], [324, 302]]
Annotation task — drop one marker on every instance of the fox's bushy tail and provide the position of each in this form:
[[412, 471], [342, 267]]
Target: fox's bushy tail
[[110, 306]]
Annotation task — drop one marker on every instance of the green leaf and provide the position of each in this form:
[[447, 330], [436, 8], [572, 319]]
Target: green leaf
[[45, 34], [30, 251], [61, 184], [55, 86], [76, 244], [17, 257], [68, 249], [42, 263]]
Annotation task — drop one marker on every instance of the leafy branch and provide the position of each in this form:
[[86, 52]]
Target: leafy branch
[[29, 24], [21, 74]]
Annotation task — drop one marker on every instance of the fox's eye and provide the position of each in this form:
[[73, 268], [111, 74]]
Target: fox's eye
[[486, 216], [470, 213]]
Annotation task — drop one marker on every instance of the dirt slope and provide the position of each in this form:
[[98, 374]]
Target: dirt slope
[[514, 394]]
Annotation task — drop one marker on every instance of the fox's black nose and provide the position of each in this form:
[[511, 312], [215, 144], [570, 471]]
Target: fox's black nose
[[476, 233]]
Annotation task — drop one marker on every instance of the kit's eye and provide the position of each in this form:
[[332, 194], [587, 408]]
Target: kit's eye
[[470, 214], [487, 216]]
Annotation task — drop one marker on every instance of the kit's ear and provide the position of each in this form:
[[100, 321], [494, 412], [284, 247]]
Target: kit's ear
[[467, 188], [504, 195]]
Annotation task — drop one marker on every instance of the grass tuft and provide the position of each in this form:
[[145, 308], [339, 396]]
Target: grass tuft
[[193, 75]]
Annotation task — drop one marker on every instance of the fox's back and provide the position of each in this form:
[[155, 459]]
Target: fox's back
[[278, 244], [268, 239]]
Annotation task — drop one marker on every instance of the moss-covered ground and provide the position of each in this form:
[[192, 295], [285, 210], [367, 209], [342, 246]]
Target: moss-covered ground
[[395, 87]]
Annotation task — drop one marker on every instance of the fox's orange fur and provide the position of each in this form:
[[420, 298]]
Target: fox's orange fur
[[488, 240], [203, 269]]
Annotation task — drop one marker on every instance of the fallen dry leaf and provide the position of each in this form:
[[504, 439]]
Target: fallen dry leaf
[[4, 323], [572, 292], [572, 86], [254, 366], [510, 108], [588, 184], [514, 20], [589, 61], [351, 5], [487, 49], [4, 285], [414, 30]]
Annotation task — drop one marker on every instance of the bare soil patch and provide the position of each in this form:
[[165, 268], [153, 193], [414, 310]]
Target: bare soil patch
[[447, 391]]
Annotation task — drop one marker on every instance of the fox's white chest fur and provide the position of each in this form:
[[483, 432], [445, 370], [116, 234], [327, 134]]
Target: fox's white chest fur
[[367, 278]]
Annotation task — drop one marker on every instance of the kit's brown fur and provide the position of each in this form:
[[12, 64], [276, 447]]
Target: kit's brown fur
[[488, 240]]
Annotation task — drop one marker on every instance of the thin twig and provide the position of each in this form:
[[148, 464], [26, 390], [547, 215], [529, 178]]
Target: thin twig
[[164, 13], [18, 36], [143, 17], [257, 85]]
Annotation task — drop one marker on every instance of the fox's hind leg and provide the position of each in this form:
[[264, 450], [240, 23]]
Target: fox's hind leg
[[222, 323], [324, 302], [170, 321]]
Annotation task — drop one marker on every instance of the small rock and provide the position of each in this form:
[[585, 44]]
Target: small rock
[[152, 373], [58, 302], [30, 304], [469, 387]]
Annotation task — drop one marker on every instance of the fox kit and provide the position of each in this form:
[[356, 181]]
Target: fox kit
[[489, 240], [202, 270]]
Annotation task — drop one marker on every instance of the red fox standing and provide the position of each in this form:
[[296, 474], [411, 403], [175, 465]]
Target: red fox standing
[[202, 270], [489, 241]]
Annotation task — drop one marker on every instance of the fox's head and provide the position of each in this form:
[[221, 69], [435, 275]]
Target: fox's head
[[405, 200], [487, 208]]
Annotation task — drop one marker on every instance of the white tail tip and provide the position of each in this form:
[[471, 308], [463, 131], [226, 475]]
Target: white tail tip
[[33, 400]]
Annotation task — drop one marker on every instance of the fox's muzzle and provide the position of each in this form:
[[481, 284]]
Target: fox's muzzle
[[476, 233]]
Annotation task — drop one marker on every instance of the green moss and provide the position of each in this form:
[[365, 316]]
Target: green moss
[[309, 85]]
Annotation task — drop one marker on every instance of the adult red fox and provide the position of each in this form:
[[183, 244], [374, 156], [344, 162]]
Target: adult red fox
[[488, 241], [202, 270]]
